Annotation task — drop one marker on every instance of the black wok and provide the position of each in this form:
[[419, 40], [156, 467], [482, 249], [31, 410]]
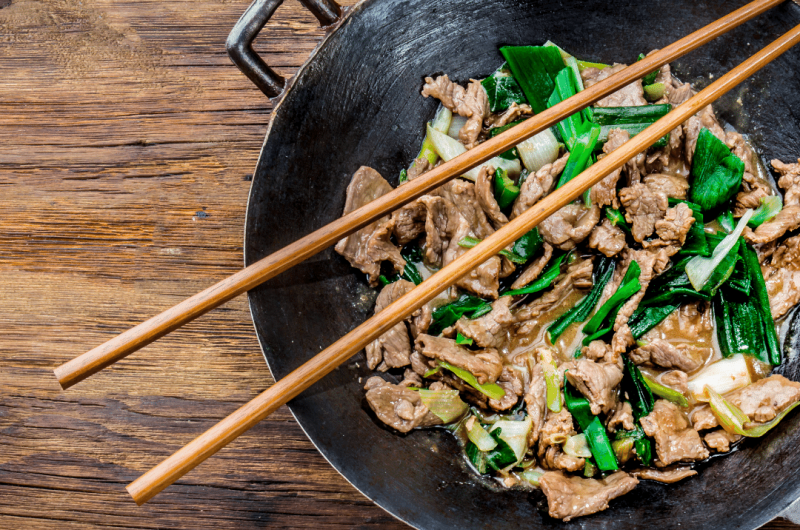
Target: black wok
[[356, 102]]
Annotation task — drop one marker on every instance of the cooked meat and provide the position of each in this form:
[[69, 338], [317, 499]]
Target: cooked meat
[[787, 254], [644, 205], [485, 194], [676, 440], [421, 165], [462, 194], [622, 417], [489, 330], [394, 346], [397, 406], [783, 287], [596, 381], [681, 94], [509, 381], [472, 103], [604, 193], [787, 219], [569, 497], [721, 440], [557, 429], [703, 119], [685, 357], [667, 475], [411, 379], [555, 459], [420, 320], [570, 225], [578, 272], [677, 380], [512, 113], [367, 248], [766, 398], [597, 350], [607, 238], [538, 185], [703, 419], [753, 190], [671, 185], [419, 363], [533, 270], [648, 264], [672, 229], [789, 180], [628, 96], [536, 403], [739, 147], [622, 340], [485, 365]]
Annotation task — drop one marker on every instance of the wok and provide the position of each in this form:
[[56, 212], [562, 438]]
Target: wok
[[356, 102]]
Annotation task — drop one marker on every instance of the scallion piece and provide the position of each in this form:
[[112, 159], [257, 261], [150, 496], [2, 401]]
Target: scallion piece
[[505, 191], [440, 123], [534, 68], [726, 221], [593, 428], [447, 315], [581, 311], [551, 379], [734, 420], [630, 285], [638, 391], [646, 318], [716, 172], [449, 148], [542, 282], [580, 155], [654, 91], [578, 446], [725, 375], [699, 269], [445, 404], [650, 78], [770, 207], [532, 475], [461, 339], [538, 150], [502, 89], [515, 434], [665, 392], [760, 299], [617, 219], [478, 435], [469, 242], [491, 390]]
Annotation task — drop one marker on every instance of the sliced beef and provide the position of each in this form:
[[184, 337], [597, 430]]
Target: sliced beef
[[367, 248], [485, 194], [721, 440], [607, 238], [462, 194], [420, 320], [671, 185], [631, 95], [783, 286], [621, 418], [685, 357], [669, 475], [533, 270], [555, 459], [491, 329], [397, 406], [538, 185], [789, 180], [787, 254], [536, 402], [597, 350], [485, 365], [691, 129], [570, 225], [739, 147], [691, 320], [648, 268], [680, 94], [394, 346], [411, 379], [672, 229], [472, 103], [579, 273], [570, 497], [604, 193], [787, 219], [644, 205], [512, 114], [703, 419], [557, 429], [511, 383], [676, 380], [754, 189], [421, 165], [766, 398], [676, 440], [597, 382]]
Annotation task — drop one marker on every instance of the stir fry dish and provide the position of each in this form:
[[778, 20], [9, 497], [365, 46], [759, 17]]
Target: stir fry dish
[[632, 334]]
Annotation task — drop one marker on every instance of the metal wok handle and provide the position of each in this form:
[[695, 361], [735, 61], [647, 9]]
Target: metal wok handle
[[243, 34]]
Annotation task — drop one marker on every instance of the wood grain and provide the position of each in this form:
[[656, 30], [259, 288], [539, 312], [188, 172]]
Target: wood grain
[[119, 122]]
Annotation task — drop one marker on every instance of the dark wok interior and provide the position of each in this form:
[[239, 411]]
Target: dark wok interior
[[358, 103]]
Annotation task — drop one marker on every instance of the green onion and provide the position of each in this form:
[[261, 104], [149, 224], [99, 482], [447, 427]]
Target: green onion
[[583, 65], [432, 371], [579, 156], [630, 285], [461, 339], [592, 427], [512, 153], [760, 299], [646, 318], [699, 269], [665, 392], [634, 384], [534, 68], [716, 172], [672, 286], [445, 404], [572, 64], [723, 376], [492, 390], [654, 92], [726, 221], [403, 176], [542, 282], [579, 313], [631, 119], [589, 469], [770, 207], [739, 326], [538, 150], [734, 420], [574, 125], [617, 219], [447, 315], [502, 89], [469, 242], [532, 475], [623, 449], [650, 78], [449, 148], [478, 435], [505, 191], [441, 122], [638, 441], [551, 380], [695, 244], [515, 434], [577, 446], [528, 245]]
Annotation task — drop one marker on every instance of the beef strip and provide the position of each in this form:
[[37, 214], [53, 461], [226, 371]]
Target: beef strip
[[648, 268], [411, 379], [676, 380], [512, 113], [597, 382], [789, 180], [604, 193], [557, 429], [485, 365], [644, 205], [538, 185], [766, 398], [739, 147], [631, 95], [753, 190], [511, 383], [570, 225], [783, 287], [536, 403], [685, 357], [672, 229], [555, 459], [703, 119], [597, 350], [676, 440], [489, 330], [536, 267], [680, 94], [669, 475], [462, 194], [622, 417], [472, 103], [394, 346], [703, 419], [485, 195], [397, 406], [607, 238], [721, 440], [671, 185], [570, 497], [420, 320], [787, 219], [367, 248], [787, 254], [421, 165], [579, 272]]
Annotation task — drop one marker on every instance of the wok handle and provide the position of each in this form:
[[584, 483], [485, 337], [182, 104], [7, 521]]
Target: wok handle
[[240, 40]]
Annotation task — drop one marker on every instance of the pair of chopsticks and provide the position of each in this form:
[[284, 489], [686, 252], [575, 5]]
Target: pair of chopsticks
[[158, 478]]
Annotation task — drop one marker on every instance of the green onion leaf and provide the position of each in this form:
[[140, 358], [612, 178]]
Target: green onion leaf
[[665, 392], [617, 219], [447, 315], [770, 207], [542, 282], [654, 92], [461, 339], [760, 299], [634, 384], [630, 285], [581, 311], [445, 404], [700, 269], [734, 420], [469, 242], [650, 78], [502, 89], [646, 318], [478, 435], [534, 68], [716, 172], [551, 380], [726, 221], [505, 191], [492, 390], [596, 436], [579, 156]]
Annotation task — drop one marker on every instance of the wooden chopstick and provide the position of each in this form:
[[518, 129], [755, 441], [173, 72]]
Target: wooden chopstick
[[150, 330], [155, 480]]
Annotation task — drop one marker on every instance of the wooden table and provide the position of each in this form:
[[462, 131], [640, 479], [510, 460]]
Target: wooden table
[[127, 142]]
